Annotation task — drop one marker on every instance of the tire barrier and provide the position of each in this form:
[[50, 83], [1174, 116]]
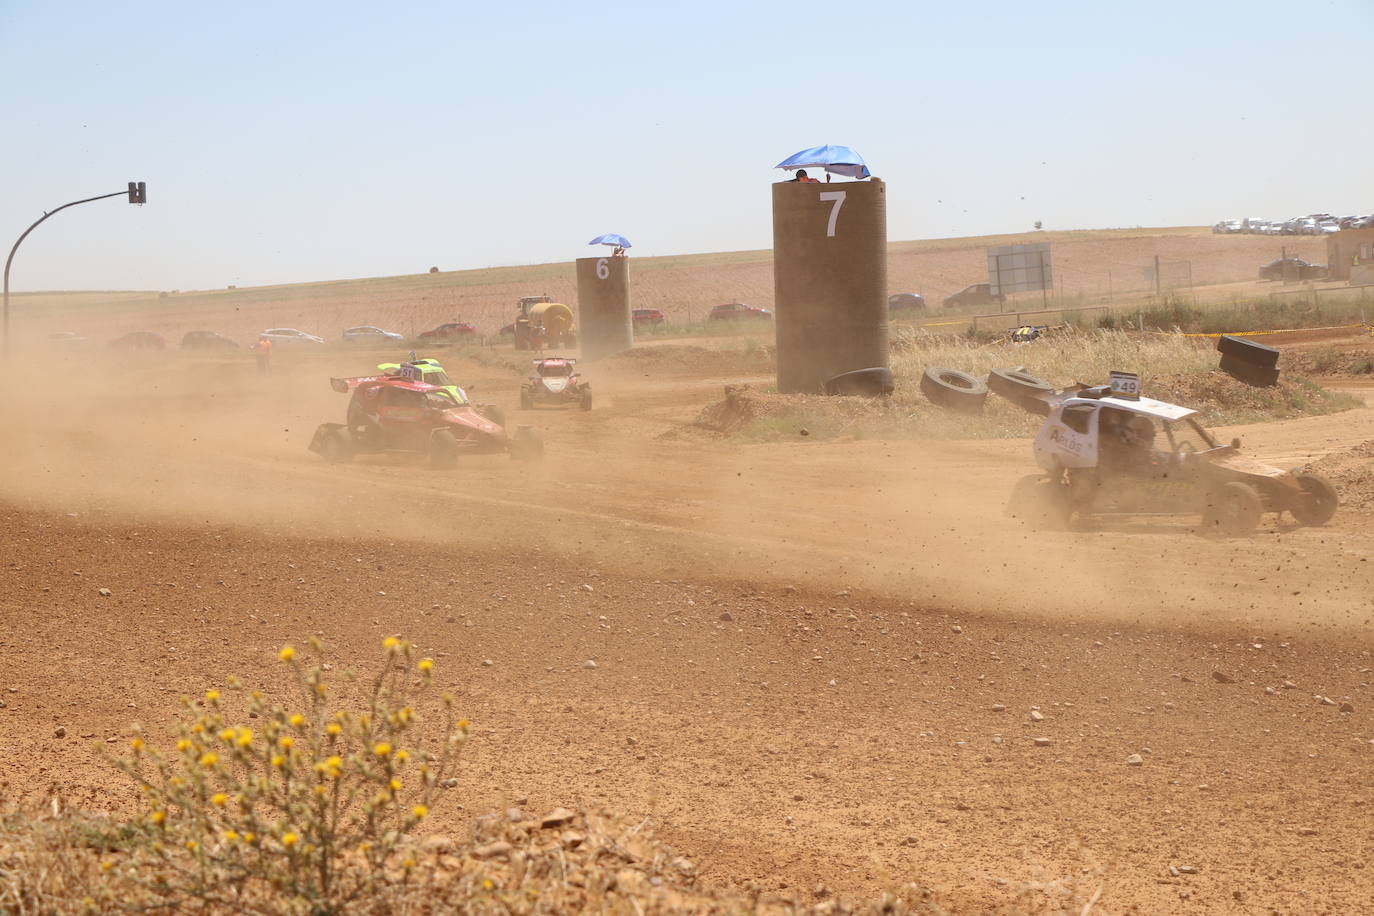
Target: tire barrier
[[1022, 389], [954, 390], [1249, 351], [1249, 373], [870, 383]]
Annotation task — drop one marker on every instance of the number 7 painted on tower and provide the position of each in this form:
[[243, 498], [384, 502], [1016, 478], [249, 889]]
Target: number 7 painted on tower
[[838, 198]]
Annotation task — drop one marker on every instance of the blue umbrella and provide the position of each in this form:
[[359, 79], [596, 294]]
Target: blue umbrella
[[840, 160], [611, 239]]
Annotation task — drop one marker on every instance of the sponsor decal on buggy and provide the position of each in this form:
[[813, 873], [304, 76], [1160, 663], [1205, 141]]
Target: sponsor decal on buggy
[[1070, 442]]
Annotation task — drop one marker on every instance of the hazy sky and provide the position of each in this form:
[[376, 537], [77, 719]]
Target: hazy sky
[[300, 141]]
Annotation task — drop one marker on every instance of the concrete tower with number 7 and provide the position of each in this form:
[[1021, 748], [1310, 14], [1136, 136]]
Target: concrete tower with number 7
[[603, 305], [829, 280]]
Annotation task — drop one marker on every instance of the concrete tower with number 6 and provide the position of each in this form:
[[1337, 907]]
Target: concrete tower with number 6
[[829, 280], [603, 306]]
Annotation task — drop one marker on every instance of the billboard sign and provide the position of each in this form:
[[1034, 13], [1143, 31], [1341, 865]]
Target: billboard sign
[[1020, 268]]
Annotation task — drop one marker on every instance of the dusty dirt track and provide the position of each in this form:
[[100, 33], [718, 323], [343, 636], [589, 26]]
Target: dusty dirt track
[[800, 647]]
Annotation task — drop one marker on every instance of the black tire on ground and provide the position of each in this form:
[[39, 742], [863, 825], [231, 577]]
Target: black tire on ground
[[443, 449], [1233, 509], [954, 389], [1022, 389], [1249, 373], [587, 399], [1248, 351], [336, 447], [526, 399], [1040, 502], [870, 383], [527, 445], [1318, 502], [493, 413]]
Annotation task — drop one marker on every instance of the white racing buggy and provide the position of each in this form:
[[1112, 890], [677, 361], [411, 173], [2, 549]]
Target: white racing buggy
[[1105, 452], [555, 381]]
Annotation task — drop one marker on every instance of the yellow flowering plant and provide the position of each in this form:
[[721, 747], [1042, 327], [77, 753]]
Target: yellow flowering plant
[[312, 805]]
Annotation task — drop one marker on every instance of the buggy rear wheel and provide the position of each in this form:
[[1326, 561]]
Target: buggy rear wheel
[[526, 399], [1318, 501], [587, 399], [1233, 509], [336, 447]]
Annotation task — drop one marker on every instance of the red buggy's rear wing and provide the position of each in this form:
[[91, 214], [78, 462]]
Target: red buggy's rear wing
[[345, 385]]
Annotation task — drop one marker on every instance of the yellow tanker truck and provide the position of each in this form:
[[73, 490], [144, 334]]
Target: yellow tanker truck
[[543, 323]]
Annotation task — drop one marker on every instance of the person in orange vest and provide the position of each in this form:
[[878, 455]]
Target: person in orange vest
[[262, 352], [802, 177]]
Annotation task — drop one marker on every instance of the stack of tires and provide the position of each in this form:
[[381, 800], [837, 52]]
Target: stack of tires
[[954, 390], [1249, 361], [1022, 389]]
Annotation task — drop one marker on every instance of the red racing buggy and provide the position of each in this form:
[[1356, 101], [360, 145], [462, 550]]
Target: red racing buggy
[[394, 414], [555, 381]]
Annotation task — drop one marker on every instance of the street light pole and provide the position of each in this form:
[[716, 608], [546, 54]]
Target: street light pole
[[138, 194]]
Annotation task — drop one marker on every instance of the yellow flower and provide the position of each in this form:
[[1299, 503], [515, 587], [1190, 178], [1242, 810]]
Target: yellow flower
[[419, 811], [250, 837], [191, 845], [231, 836], [463, 725], [402, 755], [278, 761], [426, 665], [107, 865], [212, 696], [289, 839], [158, 817], [227, 735], [245, 737], [321, 791], [184, 745], [297, 720], [486, 884], [287, 653], [382, 749], [333, 728], [408, 864], [391, 643], [285, 742], [209, 759], [319, 689], [136, 744], [218, 799], [395, 785]]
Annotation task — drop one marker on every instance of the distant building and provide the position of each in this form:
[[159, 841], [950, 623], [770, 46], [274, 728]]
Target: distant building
[[1350, 255]]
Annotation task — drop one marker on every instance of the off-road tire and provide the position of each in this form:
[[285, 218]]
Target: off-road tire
[[1318, 502], [1039, 502], [493, 413], [870, 383], [526, 399], [1233, 509], [586, 400], [527, 444], [336, 447], [1249, 373], [443, 449], [954, 390], [1022, 389], [1248, 351]]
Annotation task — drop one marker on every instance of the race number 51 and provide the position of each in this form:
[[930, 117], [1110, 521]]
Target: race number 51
[[838, 198], [603, 268]]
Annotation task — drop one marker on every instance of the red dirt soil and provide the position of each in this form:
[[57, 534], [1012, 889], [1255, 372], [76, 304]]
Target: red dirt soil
[[805, 651]]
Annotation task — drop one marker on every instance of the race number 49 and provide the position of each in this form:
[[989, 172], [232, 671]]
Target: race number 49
[[603, 268], [838, 198], [1125, 384]]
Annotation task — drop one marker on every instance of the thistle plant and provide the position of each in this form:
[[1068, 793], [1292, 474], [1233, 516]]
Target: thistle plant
[[309, 808]]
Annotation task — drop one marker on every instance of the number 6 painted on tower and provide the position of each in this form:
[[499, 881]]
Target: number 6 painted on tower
[[603, 269], [838, 198]]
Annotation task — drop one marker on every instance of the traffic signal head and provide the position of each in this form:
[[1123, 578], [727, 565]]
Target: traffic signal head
[[138, 192]]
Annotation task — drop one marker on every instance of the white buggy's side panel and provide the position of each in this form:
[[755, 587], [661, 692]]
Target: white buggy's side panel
[[1059, 446]]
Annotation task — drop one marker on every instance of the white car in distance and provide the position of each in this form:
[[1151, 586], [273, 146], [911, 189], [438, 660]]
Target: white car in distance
[[368, 334], [290, 336]]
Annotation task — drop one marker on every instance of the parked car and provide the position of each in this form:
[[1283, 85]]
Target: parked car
[[733, 311], [1292, 268], [640, 316], [290, 336], [366, 333], [66, 338], [1328, 226], [139, 340], [901, 302], [451, 330], [977, 294], [207, 340]]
